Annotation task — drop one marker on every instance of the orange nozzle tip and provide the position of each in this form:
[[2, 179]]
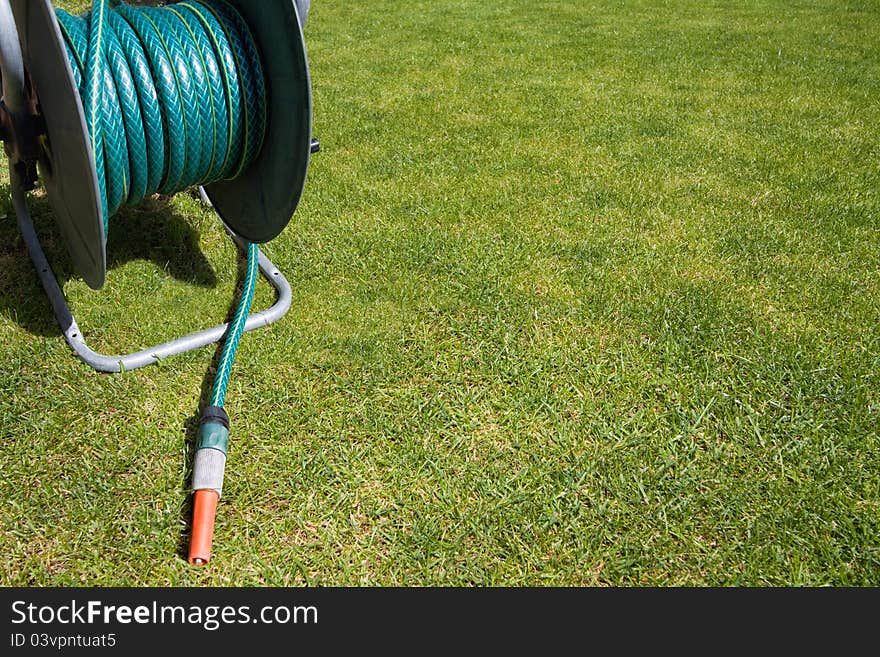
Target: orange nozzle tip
[[204, 512]]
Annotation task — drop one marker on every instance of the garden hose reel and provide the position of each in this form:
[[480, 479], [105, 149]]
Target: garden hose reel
[[43, 122]]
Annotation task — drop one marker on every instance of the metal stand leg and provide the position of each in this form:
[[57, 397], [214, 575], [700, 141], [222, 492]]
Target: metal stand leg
[[73, 334]]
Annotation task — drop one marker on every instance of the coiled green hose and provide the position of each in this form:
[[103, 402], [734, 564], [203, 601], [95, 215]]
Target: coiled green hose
[[174, 97]]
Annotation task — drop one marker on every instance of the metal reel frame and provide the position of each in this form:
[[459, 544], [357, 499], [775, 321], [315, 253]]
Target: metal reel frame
[[112, 364], [74, 194]]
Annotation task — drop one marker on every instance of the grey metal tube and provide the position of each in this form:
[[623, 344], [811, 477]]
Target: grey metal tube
[[153, 355]]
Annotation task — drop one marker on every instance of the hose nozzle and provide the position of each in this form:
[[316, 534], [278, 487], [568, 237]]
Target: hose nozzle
[[204, 512], [208, 470]]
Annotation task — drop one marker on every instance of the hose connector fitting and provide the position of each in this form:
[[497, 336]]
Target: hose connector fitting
[[208, 470]]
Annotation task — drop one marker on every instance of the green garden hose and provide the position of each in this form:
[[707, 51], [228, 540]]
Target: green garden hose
[[174, 97]]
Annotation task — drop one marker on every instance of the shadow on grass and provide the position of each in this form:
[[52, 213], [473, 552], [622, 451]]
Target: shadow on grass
[[154, 231]]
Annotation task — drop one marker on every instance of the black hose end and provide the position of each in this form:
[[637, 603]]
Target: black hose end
[[215, 415]]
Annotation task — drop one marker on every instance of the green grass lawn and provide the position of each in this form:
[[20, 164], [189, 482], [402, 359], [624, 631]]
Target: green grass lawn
[[585, 292]]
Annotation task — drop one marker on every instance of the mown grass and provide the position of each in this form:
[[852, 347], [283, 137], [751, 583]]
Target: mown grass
[[584, 293]]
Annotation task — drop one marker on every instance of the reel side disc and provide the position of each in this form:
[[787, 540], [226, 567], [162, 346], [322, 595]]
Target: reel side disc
[[259, 204], [66, 161]]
